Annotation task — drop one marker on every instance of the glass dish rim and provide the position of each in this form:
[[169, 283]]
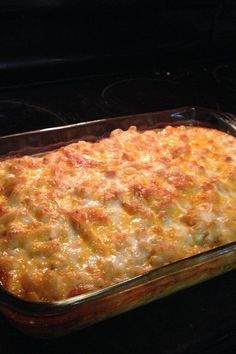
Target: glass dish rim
[[10, 300], [226, 115]]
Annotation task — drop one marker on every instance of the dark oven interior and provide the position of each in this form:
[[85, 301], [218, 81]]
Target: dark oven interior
[[64, 62]]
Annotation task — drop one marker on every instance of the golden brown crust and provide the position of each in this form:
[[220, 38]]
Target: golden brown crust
[[92, 214]]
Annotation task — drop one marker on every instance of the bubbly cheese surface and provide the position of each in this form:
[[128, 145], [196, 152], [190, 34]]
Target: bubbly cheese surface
[[89, 215]]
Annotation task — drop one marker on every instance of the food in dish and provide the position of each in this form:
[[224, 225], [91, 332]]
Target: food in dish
[[89, 215]]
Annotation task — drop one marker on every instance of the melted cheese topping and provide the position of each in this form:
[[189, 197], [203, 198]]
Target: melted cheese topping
[[93, 214]]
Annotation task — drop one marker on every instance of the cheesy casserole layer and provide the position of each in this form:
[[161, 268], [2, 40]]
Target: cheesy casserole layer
[[89, 215]]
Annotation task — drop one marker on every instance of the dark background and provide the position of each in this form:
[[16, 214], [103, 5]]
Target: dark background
[[68, 38], [63, 62]]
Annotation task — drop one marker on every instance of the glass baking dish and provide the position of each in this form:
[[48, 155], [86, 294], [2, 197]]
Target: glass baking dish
[[61, 317]]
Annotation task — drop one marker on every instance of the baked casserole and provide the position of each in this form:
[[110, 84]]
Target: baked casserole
[[92, 214]]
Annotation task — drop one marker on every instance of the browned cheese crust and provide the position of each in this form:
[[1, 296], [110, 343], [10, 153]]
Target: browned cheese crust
[[93, 214]]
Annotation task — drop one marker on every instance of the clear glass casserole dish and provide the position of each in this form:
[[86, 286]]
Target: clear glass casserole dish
[[57, 318]]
